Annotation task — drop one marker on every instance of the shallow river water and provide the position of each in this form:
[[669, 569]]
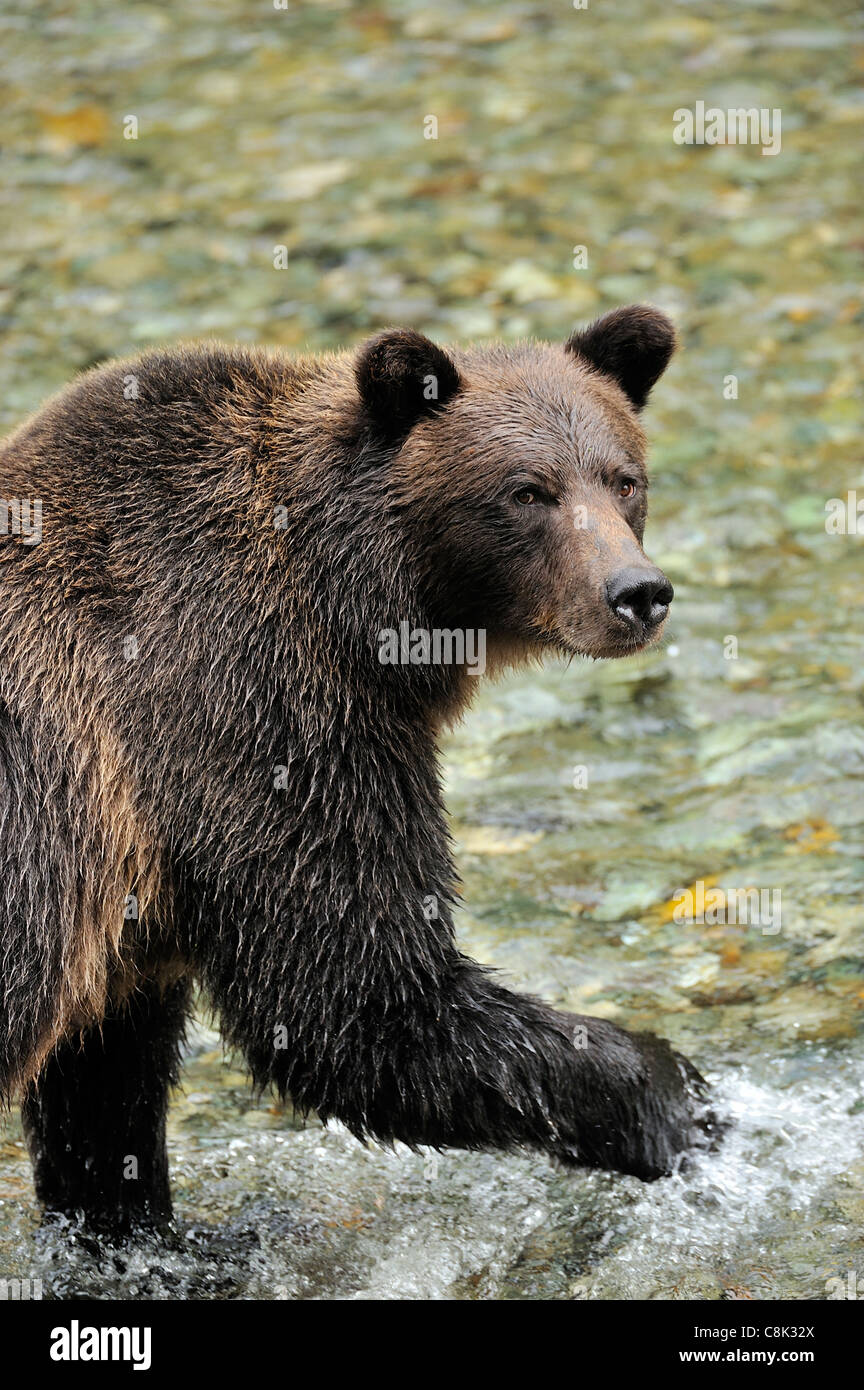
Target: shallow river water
[[582, 798]]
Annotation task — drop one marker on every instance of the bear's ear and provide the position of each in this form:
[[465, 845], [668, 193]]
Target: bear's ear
[[631, 345], [402, 376]]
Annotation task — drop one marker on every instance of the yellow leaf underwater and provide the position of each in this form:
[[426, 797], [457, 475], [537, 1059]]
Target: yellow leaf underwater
[[85, 125], [662, 913], [811, 836]]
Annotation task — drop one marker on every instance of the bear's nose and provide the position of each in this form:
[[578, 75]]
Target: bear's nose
[[640, 594]]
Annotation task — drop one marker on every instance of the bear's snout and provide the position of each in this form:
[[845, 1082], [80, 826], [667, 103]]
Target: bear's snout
[[640, 595]]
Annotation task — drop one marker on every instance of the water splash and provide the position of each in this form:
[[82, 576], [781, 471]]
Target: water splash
[[312, 1214]]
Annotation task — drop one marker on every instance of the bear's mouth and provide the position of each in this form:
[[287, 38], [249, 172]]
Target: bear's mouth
[[602, 636], [617, 641], [631, 646]]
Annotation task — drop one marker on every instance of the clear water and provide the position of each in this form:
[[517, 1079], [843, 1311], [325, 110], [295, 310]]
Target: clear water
[[304, 128], [266, 1211]]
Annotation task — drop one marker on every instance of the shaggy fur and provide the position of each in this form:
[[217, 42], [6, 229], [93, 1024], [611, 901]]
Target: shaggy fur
[[205, 771]]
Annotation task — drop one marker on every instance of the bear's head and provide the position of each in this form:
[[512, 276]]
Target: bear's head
[[520, 474]]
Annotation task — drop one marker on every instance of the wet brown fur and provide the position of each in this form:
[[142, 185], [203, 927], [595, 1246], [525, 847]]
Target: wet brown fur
[[256, 646], [56, 594]]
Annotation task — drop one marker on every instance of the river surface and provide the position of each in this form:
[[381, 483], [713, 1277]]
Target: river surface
[[584, 797]]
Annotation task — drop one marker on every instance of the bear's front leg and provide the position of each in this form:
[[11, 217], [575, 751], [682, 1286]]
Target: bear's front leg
[[95, 1116], [497, 1069], [459, 1061], [349, 995]]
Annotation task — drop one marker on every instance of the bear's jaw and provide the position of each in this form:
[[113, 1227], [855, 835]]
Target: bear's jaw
[[616, 647], [609, 640], [505, 655]]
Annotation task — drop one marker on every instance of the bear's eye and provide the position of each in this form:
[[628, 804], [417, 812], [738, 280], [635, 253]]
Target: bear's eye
[[627, 488], [531, 496]]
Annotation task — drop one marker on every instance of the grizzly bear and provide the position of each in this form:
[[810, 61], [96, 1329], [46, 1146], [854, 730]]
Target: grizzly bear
[[209, 775]]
